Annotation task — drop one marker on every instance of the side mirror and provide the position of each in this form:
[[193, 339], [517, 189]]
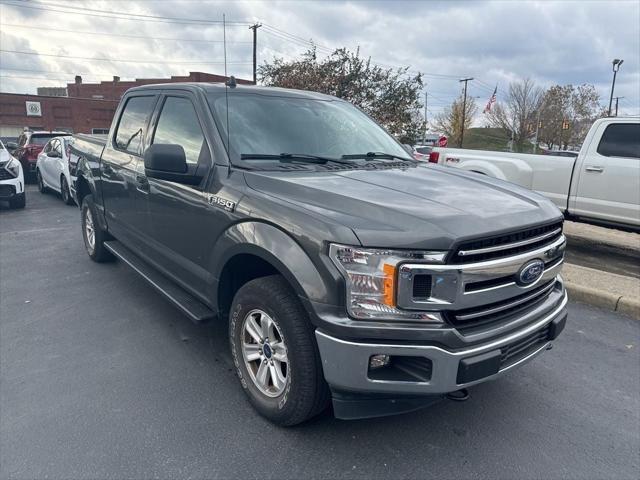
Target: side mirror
[[169, 162], [11, 145], [53, 154]]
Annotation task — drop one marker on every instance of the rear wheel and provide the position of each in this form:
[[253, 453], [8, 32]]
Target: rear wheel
[[64, 191], [275, 352], [40, 182], [93, 236]]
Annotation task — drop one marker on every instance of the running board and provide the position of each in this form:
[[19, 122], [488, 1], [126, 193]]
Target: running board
[[191, 306]]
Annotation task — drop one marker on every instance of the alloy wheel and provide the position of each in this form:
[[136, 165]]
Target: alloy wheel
[[265, 353]]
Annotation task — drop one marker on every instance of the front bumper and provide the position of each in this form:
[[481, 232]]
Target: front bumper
[[346, 362], [9, 188]]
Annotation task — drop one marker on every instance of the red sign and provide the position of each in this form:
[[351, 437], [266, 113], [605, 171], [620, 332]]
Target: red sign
[[442, 141]]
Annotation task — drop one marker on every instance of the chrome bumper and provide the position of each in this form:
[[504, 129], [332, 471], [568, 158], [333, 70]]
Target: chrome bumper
[[346, 363]]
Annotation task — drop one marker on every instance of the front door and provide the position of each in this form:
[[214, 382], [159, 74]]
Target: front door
[[180, 215], [610, 175]]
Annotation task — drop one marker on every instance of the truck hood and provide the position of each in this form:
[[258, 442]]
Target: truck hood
[[426, 206]]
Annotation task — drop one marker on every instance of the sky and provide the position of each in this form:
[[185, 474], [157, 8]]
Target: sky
[[48, 42]]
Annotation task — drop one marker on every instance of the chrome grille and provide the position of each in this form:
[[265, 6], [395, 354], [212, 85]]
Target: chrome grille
[[506, 245], [495, 312]]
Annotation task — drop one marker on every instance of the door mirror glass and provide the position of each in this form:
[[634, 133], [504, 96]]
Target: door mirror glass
[[168, 162], [53, 154], [11, 145]]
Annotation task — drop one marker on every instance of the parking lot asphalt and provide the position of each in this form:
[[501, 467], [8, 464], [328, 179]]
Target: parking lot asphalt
[[100, 377]]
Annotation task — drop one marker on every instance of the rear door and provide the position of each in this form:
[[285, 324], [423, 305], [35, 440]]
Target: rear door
[[179, 214], [121, 160], [609, 179], [44, 162]]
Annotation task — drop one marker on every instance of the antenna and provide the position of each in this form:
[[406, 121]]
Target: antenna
[[226, 83]]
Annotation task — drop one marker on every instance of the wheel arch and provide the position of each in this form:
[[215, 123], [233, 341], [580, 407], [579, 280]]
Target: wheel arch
[[251, 250]]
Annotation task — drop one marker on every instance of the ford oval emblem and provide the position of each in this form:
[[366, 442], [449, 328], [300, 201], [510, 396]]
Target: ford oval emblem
[[530, 272]]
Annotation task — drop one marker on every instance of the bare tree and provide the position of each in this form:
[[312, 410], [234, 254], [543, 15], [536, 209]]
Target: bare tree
[[566, 114], [517, 114], [449, 121]]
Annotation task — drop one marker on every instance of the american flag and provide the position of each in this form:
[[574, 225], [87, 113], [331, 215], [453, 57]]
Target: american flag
[[491, 101]]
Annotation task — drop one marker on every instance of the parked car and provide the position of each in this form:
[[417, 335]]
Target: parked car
[[345, 269], [30, 144], [422, 152], [600, 185], [11, 179], [52, 168]]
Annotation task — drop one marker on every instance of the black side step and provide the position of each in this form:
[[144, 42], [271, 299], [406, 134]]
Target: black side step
[[191, 306]]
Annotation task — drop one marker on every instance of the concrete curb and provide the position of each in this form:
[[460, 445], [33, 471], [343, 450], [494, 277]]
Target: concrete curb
[[614, 295]]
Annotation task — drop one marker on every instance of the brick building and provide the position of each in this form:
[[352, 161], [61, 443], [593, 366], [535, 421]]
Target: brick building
[[114, 89], [87, 107]]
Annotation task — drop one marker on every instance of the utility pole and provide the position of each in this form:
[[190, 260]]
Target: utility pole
[[255, 28], [617, 98], [424, 139], [616, 66], [464, 108]]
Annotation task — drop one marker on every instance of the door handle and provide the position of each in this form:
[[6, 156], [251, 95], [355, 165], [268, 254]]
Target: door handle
[[595, 169], [142, 183]]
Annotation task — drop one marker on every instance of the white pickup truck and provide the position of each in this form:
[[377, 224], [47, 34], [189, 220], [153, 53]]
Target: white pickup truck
[[600, 185]]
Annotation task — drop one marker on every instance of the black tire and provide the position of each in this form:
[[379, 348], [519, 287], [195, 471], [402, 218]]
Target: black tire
[[97, 252], [306, 393], [65, 193], [18, 201], [40, 182]]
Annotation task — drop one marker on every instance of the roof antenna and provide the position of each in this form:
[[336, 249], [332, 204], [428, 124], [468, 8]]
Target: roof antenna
[[228, 83]]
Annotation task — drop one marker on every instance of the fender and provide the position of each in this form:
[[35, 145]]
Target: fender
[[280, 250], [86, 174]]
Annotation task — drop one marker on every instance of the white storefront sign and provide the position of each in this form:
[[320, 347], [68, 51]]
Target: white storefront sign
[[33, 109]]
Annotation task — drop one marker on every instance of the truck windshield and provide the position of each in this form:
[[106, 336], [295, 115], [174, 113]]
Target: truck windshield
[[40, 139], [262, 125]]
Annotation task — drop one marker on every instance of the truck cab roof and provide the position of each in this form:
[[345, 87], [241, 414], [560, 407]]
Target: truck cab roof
[[219, 87]]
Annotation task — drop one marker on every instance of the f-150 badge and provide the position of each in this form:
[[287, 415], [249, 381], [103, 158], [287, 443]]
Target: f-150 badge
[[220, 202]]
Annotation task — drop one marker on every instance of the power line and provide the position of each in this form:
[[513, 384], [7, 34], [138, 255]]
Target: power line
[[121, 15], [121, 60], [146, 37]]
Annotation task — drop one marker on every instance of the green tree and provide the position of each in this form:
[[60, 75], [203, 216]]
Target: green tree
[[391, 97]]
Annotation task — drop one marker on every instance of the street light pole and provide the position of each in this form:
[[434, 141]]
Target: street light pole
[[617, 98], [255, 28], [424, 139], [464, 108], [616, 66]]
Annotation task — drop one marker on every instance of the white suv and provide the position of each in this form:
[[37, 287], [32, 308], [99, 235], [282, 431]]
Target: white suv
[[11, 179]]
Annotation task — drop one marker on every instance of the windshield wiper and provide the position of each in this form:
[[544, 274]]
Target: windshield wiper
[[287, 157], [373, 156]]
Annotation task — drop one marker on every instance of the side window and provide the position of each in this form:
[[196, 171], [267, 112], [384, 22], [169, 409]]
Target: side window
[[47, 147], [132, 124], [178, 124], [58, 148], [621, 140]]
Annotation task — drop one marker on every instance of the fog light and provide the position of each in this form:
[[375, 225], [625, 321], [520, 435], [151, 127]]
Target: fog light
[[379, 361]]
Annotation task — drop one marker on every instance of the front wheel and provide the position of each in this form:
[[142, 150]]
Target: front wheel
[[93, 236], [275, 352], [19, 201]]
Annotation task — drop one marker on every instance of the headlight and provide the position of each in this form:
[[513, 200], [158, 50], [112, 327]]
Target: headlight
[[13, 167], [370, 276]]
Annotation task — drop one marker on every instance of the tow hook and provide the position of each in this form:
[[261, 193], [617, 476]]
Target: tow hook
[[461, 395]]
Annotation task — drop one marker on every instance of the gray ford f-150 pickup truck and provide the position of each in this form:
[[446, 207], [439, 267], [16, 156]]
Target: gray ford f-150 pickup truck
[[347, 271]]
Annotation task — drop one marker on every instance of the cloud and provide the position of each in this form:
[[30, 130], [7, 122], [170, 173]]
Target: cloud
[[552, 42]]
